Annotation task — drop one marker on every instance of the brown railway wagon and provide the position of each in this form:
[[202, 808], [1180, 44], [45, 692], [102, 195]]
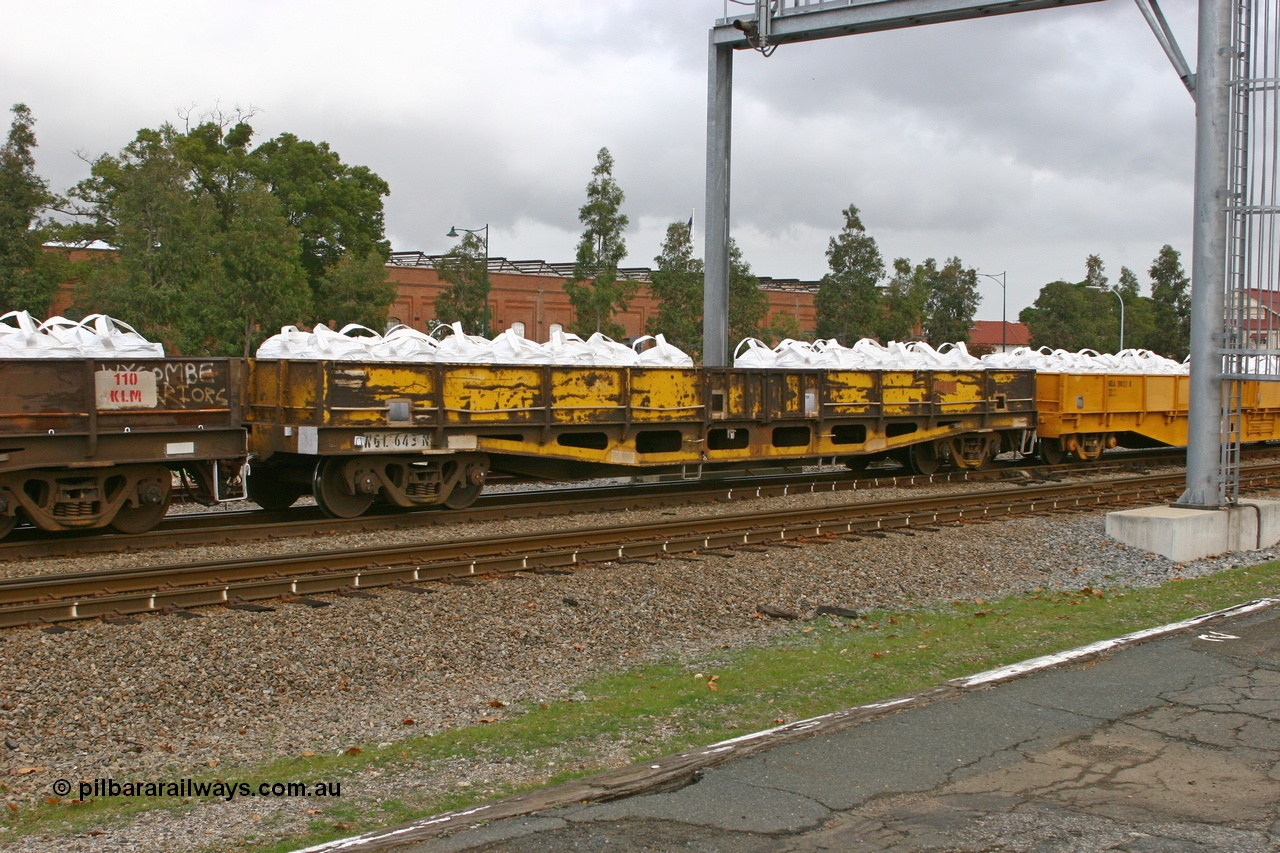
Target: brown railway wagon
[[1081, 414], [415, 434], [91, 442]]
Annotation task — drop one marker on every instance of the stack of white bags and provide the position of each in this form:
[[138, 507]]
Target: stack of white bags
[[1045, 360], [100, 336], [450, 344], [96, 336], [866, 354]]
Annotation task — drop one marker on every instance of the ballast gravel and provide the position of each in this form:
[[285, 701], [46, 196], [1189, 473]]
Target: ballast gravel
[[167, 698]]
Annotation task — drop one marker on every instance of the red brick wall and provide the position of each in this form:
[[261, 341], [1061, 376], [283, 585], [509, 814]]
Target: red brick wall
[[535, 300], [540, 300]]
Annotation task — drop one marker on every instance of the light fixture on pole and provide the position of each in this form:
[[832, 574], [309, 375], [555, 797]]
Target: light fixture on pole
[[1116, 291], [453, 232], [1004, 302]]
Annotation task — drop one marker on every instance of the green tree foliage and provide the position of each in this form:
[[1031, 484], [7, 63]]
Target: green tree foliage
[[904, 298], [355, 290], [676, 284], [210, 259], [29, 276], [1139, 310], [951, 302], [260, 286], [1064, 316], [1171, 305], [1079, 315], [595, 291], [784, 325], [465, 269], [141, 203], [1094, 275], [748, 304], [848, 299], [337, 211]]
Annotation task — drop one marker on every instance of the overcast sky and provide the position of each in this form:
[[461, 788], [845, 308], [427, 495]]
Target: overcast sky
[[1020, 143]]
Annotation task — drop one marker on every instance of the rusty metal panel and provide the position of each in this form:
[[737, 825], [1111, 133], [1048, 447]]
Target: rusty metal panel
[[286, 392], [90, 395], [493, 394], [666, 395], [960, 391], [589, 395], [743, 393], [904, 392], [1016, 389], [852, 392]]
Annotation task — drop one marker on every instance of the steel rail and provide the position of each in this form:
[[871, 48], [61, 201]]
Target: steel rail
[[52, 598], [258, 525]]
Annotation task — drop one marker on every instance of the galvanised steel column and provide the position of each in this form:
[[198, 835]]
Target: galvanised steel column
[[1208, 255], [715, 293]]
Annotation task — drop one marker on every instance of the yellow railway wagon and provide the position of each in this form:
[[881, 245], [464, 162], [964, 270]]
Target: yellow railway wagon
[[1082, 414], [414, 434]]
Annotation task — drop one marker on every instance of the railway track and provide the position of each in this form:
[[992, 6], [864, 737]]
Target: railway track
[[220, 528], [239, 583]]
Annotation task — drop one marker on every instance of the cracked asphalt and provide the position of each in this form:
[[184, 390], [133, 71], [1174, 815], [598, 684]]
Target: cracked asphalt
[[1169, 745]]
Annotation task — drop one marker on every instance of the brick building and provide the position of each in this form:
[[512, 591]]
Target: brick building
[[532, 292], [529, 292]]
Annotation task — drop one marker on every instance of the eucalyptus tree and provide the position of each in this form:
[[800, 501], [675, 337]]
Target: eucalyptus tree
[[1171, 305], [676, 285], [951, 302], [29, 276], [464, 269], [595, 291], [848, 302]]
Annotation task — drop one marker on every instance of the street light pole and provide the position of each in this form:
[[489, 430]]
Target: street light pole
[[1121, 298], [453, 232], [1004, 303]]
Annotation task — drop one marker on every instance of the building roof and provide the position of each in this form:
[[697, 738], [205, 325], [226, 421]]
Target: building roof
[[990, 333]]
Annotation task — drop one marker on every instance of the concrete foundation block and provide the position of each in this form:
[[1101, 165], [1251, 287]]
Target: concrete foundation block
[[1190, 534]]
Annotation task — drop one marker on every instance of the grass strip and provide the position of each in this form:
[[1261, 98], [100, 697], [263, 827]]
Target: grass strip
[[817, 667]]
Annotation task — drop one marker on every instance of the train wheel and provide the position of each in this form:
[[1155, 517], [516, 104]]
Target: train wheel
[[462, 496], [331, 493], [923, 458], [154, 491], [271, 494], [7, 523], [1051, 451]]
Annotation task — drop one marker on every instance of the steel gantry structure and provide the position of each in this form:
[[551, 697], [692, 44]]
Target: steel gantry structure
[[1235, 288]]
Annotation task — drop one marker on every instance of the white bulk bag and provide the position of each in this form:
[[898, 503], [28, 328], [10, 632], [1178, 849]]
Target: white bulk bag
[[758, 354], [661, 354], [605, 351], [512, 347], [793, 353], [290, 342], [342, 345], [404, 343], [459, 347], [567, 348]]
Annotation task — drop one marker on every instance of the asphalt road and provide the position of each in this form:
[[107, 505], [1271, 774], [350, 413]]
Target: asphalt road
[[1164, 743]]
